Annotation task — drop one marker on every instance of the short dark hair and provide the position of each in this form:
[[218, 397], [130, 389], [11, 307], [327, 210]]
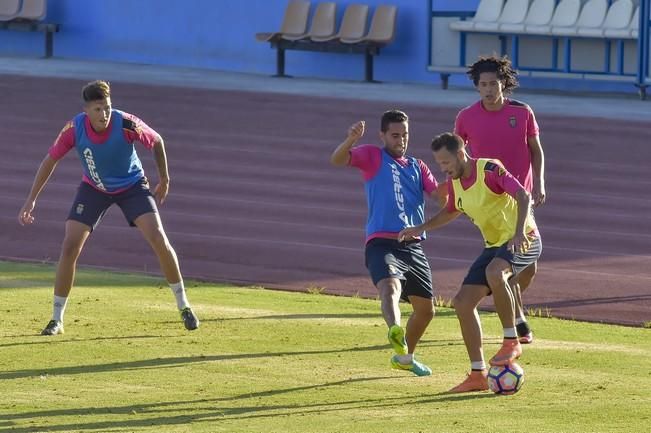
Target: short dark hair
[[448, 140], [392, 116], [96, 91], [500, 66]]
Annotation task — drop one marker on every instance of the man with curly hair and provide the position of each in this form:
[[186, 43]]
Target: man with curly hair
[[505, 129]]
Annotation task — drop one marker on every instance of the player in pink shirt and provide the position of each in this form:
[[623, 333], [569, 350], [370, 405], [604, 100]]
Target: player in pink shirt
[[112, 174], [505, 129]]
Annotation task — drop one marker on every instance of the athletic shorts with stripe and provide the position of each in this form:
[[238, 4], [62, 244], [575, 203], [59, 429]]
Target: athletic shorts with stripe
[[388, 258]]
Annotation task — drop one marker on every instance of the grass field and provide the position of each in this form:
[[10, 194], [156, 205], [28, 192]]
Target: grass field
[[269, 361]]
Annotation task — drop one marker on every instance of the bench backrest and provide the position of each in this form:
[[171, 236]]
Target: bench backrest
[[540, 12], [566, 13], [353, 24], [33, 10], [488, 10], [9, 9], [383, 24], [635, 20], [593, 13], [295, 19], [514, 12], [619, 15], [324, 20]]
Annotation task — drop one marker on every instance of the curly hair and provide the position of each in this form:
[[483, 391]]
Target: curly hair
[[499, 65]]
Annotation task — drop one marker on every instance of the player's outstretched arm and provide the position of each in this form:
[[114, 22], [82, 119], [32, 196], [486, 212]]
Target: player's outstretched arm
[[520, 242], [43, 174], [341, 155], [161, 190], [538, 168], [443, 217]]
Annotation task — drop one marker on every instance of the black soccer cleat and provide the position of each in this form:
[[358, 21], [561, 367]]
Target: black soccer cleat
[[190, 320], [53, 327]]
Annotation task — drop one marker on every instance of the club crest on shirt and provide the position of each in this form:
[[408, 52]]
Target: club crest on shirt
[[512, 121]]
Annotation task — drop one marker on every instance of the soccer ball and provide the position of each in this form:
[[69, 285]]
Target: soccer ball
[[505, 379]]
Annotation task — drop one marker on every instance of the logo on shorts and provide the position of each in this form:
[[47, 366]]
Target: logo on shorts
[[393, 270], [512, 121], [80, 209]]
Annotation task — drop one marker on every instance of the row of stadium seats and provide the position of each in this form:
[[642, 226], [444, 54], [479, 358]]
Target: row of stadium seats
[[568, 18], [323, 26], [322, 35], [28, 16], [22, 10]]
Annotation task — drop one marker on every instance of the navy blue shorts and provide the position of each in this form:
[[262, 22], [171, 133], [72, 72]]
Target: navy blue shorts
[[387, 258], [477, 272], [90, 204]]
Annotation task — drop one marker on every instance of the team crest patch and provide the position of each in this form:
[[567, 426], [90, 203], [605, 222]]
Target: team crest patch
[[393, 270], [80, 209], [512, 121]]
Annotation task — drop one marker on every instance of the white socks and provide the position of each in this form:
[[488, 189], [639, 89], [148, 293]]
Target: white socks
[[477, 365], [406, 359], [510, 333], [59, 307], [179, 293]]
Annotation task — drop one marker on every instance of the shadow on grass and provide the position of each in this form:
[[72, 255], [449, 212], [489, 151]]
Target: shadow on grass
[[158, 363], [304, 316], [55, 340], [207, 410]]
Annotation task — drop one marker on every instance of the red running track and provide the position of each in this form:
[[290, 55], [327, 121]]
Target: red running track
[[253, 199]]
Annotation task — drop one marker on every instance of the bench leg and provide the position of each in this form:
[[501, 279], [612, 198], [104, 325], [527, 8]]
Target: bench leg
[[49, 44], [368, 67], [280, 62], [444, 81]]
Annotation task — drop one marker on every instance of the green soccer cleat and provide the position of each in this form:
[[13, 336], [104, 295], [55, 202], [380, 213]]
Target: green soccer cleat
[[397, 339], [190, 320], [53, 327], [415, 367]]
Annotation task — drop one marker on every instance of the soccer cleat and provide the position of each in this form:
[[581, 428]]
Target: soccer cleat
[[415, 367], [475, 381], [53, 327], [190, 320], [397, 339], [527, 338], [509, 352], [525, 334]]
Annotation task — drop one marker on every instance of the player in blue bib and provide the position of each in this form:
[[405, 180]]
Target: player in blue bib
[[112, 174], [396, 186]]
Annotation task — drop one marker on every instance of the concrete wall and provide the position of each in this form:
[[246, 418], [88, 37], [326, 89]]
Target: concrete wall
[[216, 34], [219, 34]]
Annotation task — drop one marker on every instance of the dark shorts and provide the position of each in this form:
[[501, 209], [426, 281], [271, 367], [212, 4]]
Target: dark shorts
[[90, 204], [477, 272], [387, 258]]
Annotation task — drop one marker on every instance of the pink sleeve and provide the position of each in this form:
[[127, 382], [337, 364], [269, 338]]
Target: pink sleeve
[[532, 125], [458, 126], [499, 180], [367, 158], [139, 131], [450, 204], [429, 182], [64, 142]]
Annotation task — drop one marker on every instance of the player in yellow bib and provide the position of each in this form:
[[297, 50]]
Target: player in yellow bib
[[500, 207]]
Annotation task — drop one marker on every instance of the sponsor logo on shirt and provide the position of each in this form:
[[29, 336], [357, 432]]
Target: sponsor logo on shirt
[[397, 192], [90, 162]]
